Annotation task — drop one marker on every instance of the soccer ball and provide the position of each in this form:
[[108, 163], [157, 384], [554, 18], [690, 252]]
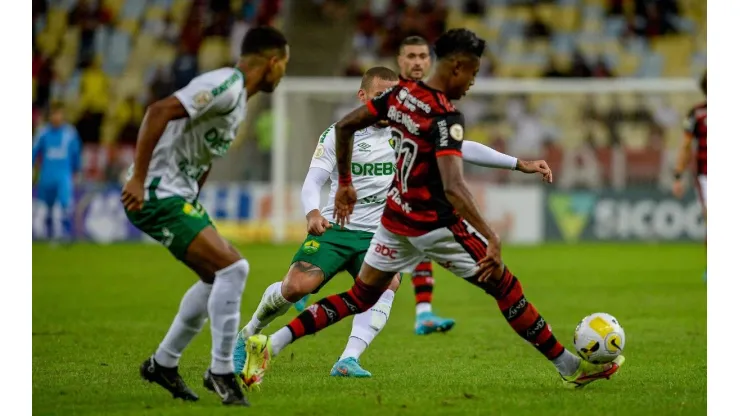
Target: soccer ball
[[599, 338]]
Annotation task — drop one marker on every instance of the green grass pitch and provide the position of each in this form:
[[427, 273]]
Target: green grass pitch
[[98, 311]]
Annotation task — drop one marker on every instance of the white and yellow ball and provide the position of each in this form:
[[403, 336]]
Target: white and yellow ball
[[599, 338]]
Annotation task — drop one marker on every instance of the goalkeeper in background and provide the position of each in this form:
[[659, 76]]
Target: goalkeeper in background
[[57, 146]]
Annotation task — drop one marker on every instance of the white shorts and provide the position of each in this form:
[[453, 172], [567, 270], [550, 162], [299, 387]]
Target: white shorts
[[457, 248], [701, 184]]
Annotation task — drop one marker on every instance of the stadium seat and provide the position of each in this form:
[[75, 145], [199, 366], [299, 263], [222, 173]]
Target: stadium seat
[[116, 56], [133, 9]]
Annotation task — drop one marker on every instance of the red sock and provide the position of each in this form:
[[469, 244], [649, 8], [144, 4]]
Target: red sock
[[523, 316], [423, 282], [334, 308]]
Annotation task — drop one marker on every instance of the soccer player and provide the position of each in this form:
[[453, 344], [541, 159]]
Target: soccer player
[[179, 138], [58, 146], [429, 212], [414, 61], [330, 249], [695, 131]]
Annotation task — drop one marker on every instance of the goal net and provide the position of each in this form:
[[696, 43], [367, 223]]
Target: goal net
[[597, 135]]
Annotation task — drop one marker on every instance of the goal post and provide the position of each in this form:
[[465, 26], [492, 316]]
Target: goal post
[[304, 107]]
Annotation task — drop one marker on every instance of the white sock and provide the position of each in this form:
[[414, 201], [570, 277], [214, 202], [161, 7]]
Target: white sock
[[567, 363], [223, 309], [281, 339], [272, 305], [187, 324], [367, 325], [423, 307]]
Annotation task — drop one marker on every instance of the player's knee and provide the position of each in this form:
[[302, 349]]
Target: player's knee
[[365, 295]]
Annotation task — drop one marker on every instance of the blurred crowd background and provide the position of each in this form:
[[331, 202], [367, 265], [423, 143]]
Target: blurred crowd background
[[106, 60]]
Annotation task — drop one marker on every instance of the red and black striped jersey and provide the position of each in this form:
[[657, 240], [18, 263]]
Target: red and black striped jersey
[[424, 125], [696, 126]]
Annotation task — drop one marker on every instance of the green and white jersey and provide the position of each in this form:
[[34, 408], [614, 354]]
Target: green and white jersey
[[216, 103], [373, 167]]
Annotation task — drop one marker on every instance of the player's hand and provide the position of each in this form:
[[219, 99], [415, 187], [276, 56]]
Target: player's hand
[[132, 195], [678, 188], [491, 266], [535, 166], [344, 203], [317, 224]]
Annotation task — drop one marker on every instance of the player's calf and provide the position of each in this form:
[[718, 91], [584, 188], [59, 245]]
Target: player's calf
[[302, 279], [524, 318]]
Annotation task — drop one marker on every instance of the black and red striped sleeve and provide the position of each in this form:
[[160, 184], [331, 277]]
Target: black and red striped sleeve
[[378, 106], [447, 134]]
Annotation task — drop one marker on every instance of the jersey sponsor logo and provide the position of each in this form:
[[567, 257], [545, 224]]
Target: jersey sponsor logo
[[202, 99], [371, 200], [311, 246], [373, 169], [217, 142], [456, 132], [226, 84], [325, 133], [405, 119], [395, 196], [385, 251], [443, 133], [364, 147], [192, 211], [319, 151], [167, 237], [411, 102], [193, 172]]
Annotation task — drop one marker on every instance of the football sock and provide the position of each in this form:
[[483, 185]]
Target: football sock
[[328, 311], [567, 363], [49, 223], [522, 316], [355, 347], [187, 324], [368, 324], [223, 309], [272, 305], [423, 283], [66, 224]]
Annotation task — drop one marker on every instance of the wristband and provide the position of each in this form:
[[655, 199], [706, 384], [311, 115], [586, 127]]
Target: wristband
[[345, 180]]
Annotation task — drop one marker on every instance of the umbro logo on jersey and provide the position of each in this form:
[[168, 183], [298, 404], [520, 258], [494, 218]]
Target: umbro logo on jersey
[[364, 147]]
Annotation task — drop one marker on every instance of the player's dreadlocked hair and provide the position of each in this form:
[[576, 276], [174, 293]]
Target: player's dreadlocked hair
[[380, 72], [261, 39], [459, 41]]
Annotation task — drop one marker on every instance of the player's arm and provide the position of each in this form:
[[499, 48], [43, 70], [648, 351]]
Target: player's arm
[[373, 111], [684, 153], [447, 134], [38, 144], [199, 97], [323, 163], [152, 127], [482, 155]]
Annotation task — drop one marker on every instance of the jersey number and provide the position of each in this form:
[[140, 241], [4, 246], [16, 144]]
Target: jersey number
[[406, 151]]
